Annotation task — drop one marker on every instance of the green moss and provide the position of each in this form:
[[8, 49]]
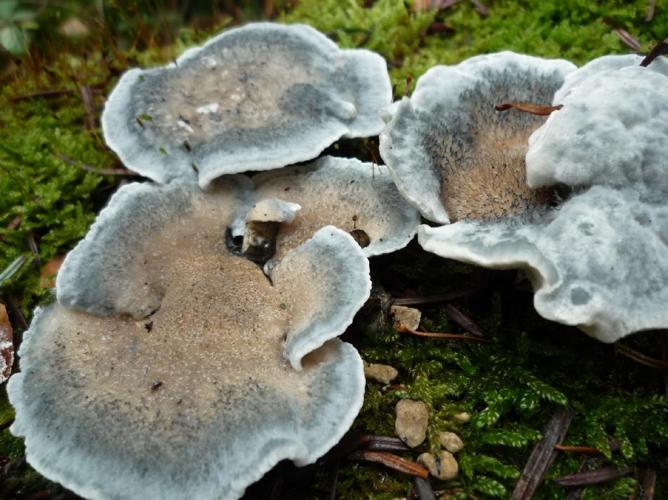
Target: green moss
[[510, 386]]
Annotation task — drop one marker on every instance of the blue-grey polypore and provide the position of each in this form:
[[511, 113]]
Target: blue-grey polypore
[[452, 154], [598, 259], [170, 367], [258, 97]]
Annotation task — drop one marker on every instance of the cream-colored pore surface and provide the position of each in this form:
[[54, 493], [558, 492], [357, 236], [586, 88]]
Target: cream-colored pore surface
[[220, 324], [489, 179]]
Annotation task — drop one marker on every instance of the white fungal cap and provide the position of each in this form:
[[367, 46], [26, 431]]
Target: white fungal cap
[[612, 130], [605, 64], [351, 195], [452, 154], [599, 262], [199, 398], [253, 98]]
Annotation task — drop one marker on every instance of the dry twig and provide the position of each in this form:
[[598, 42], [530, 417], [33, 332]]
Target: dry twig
[[542, 455], [393, 462]]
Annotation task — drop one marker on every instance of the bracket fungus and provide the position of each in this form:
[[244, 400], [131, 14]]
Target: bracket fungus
[[452, 154], [612, 128], [170, 367], [598, 260], [258, 97], [360, 198]]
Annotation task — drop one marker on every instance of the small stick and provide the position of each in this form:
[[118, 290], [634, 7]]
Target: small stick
[[424, 489], [90, 168], [463, 320], [659, 49], [651, 8], [628, 39], [448, 336], [528, 107], [589, 478], [542, 455], [89, 106], [641, 358], [588, 450], [648, 484], [393, 462], [433, 299], [41, 93], [480, 8]]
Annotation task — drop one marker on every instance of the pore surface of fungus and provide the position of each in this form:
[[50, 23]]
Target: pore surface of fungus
[[612, 128], [253, 98], [598, 262], [452, 154], [171, 367], [360, 198]]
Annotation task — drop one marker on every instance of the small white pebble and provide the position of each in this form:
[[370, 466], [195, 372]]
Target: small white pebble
[[444, 466], [450, 441], [462, 417], [411, 421], [380, 373], [408, 317]]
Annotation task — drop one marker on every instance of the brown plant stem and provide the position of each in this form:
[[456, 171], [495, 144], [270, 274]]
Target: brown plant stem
[[528, 107], [446, 336], [393, 462]]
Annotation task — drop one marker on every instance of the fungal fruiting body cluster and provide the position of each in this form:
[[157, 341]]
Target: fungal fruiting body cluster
[[587, 218], [192, 344]]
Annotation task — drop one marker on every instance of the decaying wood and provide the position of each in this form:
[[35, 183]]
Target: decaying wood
[[529, 107], [542, 455], [589, 478]]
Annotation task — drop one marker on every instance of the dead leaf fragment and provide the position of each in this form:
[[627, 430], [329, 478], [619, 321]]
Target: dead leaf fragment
[[6, 345], [528, 107], [47, 278]]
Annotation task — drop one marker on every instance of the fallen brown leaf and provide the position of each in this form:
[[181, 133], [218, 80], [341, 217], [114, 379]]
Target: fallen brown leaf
[[47, 278], [6, 345]]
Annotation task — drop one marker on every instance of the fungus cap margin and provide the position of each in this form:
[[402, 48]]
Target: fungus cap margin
[[435, 129], [339, 381], [355, 87], [598, 262]]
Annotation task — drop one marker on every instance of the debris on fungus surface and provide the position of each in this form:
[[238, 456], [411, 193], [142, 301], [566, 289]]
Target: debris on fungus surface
[[258, 97], [171, 367], [452, 154], [598, 260]]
